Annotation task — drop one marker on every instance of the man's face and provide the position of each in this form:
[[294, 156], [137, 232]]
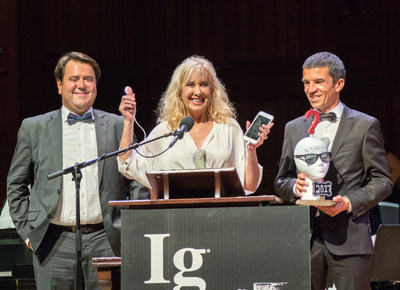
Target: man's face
[[78, 87], [321, 92]]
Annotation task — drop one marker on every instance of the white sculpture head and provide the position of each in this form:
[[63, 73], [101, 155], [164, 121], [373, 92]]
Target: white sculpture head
[[312, 158]]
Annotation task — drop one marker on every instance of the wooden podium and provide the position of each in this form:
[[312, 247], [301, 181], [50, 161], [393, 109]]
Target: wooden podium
[[194, 183], [228, 242]]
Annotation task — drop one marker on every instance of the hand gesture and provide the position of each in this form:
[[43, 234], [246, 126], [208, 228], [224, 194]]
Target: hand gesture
[[342, 203], [127, 106], [263, 135], [301, 185]]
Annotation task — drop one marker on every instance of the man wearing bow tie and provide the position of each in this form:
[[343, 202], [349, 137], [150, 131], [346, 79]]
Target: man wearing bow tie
[[341, 247], [43, 210]]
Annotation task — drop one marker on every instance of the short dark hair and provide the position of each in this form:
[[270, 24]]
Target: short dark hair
[[59, 71], [329, 60]]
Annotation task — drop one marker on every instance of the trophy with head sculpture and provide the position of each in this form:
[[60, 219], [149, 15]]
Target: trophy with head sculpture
[[312, 158]]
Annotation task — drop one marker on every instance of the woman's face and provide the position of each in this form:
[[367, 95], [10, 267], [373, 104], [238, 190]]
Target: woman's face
[[195, 95]]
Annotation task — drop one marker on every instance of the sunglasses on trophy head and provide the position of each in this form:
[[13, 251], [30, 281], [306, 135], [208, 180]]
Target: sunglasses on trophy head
[[311, 158]]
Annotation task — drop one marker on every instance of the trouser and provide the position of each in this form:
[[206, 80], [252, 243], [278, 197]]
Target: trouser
[[57, 270], [346, 272]]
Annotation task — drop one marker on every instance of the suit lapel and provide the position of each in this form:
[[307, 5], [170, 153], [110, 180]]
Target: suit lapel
[[101, 136], [55, 137], [345, 125]]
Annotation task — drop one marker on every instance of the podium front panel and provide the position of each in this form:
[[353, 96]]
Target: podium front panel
[[216, 248]]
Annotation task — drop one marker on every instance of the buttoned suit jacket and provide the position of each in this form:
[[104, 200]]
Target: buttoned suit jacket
[[33, 198], [358, 170]]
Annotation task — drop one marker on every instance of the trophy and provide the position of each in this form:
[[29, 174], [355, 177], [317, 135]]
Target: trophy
[[312, 157]]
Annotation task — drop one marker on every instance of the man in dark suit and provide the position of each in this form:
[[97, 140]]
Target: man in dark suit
[[341, 245], [43, 210]]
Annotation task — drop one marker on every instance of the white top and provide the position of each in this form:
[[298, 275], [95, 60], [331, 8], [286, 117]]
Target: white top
[[79, 144], [326, 129], [224, 147]]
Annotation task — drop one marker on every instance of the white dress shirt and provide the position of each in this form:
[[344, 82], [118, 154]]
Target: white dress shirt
[[79, 144], [326, 130]]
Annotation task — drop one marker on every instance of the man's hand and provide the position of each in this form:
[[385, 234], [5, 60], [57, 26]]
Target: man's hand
[[30, 246], [341, 205], [301, 185]]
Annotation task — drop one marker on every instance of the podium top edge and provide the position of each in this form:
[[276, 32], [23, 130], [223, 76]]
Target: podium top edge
[[196, 202], [205, 170]]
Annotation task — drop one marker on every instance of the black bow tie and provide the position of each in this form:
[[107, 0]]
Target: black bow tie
[[72, 118], [331, 117]]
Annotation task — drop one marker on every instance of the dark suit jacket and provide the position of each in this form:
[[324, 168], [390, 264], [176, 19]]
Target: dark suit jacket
[[33, 198], [358, 170]]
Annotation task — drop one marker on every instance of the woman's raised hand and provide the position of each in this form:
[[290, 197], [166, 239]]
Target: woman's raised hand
[[127, 106]]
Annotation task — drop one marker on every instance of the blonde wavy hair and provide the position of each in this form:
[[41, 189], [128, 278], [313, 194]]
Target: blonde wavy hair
[[171, 107]]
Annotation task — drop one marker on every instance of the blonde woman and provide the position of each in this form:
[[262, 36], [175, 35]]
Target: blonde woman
[[215, 141]]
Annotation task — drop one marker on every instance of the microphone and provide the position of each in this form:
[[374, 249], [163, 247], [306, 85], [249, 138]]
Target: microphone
[[185, 126]]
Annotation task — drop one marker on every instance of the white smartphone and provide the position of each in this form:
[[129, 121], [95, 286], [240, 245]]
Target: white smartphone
[[261, 118]]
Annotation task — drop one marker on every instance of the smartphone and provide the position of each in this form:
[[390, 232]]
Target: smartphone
[[251, 134]]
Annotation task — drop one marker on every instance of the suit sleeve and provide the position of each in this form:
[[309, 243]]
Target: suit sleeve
[[376, 184], [137, 190], [19, 179], [287, 175], [134, 189]]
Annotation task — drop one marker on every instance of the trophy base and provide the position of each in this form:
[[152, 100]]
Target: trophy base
[[316, 202]]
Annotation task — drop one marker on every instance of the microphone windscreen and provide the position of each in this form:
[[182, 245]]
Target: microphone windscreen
[[186, 124]]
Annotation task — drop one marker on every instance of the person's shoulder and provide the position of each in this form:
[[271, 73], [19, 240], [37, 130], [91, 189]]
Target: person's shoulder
[[230, 123], [159, 129], [45, 117], [107, 115], [230, 126], [295, 122], [101, 113], [358, 115], [162, 127], [233, 122]]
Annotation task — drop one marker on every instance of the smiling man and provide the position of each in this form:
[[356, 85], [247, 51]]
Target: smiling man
[[340, 243], [43, 210], [76, 84]]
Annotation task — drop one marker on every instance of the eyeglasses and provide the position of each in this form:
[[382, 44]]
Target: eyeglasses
[[312, 157]]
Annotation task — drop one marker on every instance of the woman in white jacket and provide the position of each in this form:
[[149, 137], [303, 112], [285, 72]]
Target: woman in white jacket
[[215, 141]]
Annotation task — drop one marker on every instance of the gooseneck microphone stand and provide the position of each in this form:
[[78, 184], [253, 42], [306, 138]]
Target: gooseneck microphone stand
[[75, 170]]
